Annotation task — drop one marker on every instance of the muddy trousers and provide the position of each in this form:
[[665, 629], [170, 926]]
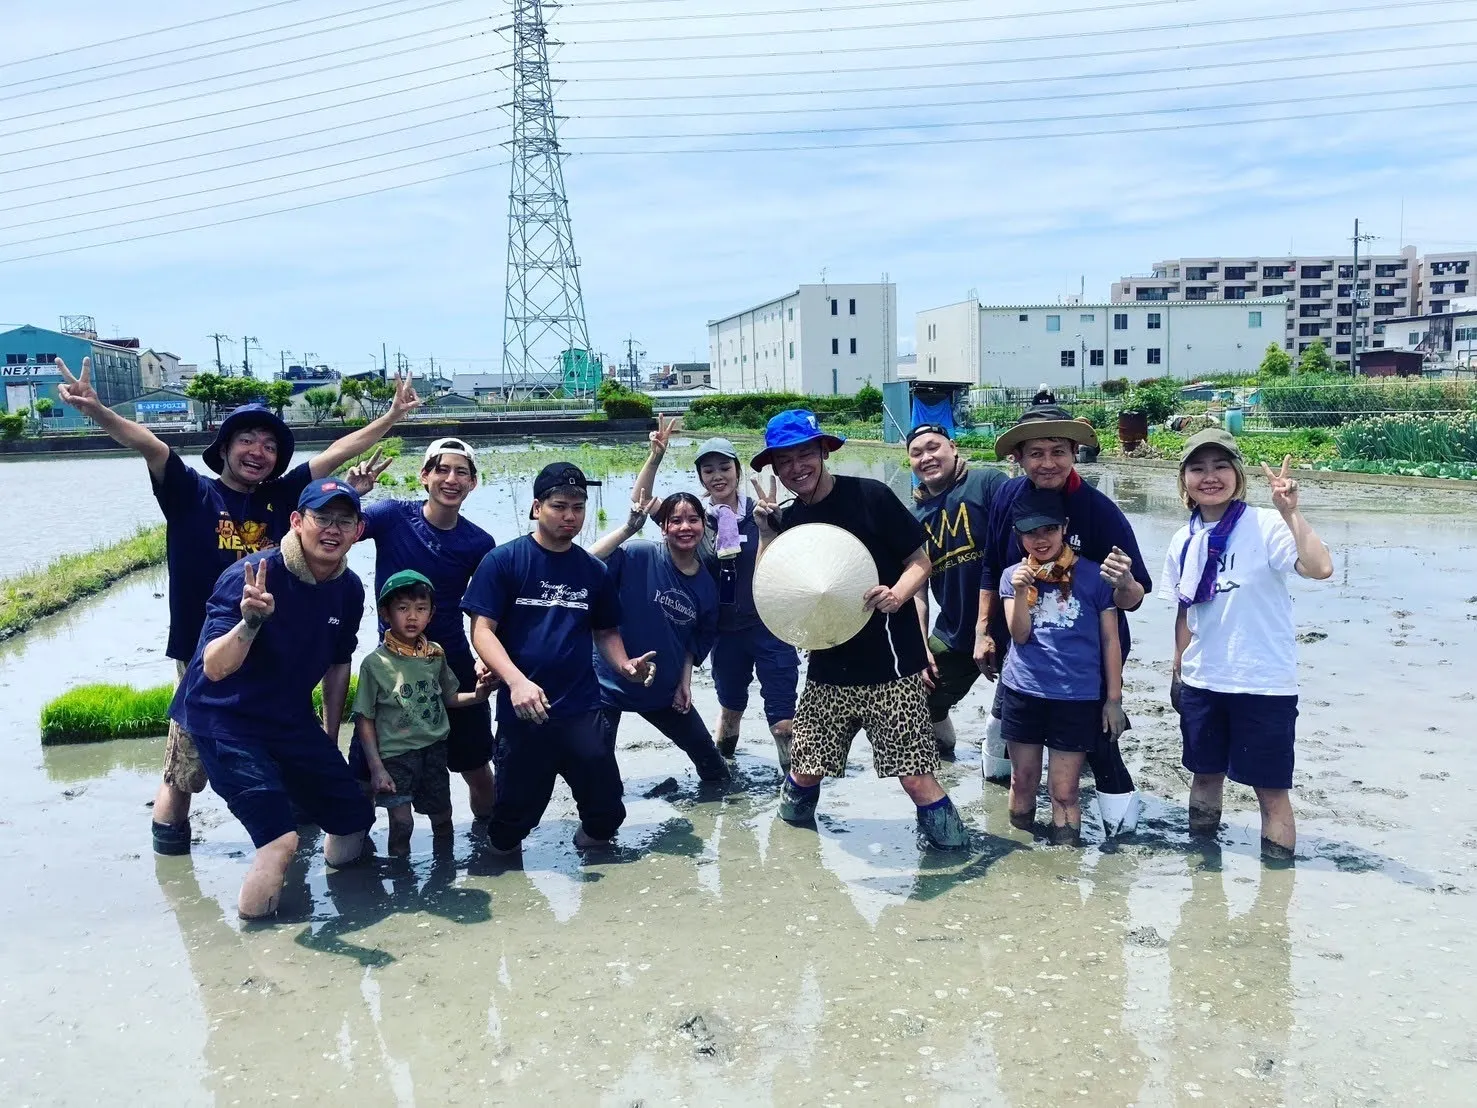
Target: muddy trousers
[[529, 756], [686, 730]]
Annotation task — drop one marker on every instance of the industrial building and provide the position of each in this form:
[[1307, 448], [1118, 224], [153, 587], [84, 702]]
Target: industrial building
[[819, 339], [1022, 345], [29, 372]]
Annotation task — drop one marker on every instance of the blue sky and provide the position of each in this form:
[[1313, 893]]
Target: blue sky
[[954, 145]]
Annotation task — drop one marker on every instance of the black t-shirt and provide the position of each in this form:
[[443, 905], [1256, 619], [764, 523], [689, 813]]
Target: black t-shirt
[[888, 647]]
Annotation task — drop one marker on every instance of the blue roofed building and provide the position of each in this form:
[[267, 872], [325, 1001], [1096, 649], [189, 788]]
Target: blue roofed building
[[28, 371]]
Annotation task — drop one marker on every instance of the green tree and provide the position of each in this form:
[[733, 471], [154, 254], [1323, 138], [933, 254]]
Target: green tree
[[278, 395], [43, 409], [1315, 359], [868, 402], [1276, 362], [206, 389], [377, 397], [321, 402], [352, 389], [11, 425], [236, 391]]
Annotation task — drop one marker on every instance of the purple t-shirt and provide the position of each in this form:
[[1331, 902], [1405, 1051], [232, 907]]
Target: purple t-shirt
[[1063, 658]]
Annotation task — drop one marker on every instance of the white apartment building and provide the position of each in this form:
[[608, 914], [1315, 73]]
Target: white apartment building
[[1447, 338], [819, 339], [1022, 345], [1321, 290]]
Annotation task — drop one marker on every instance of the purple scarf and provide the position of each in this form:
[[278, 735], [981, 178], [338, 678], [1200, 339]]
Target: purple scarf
[[1214, 552]]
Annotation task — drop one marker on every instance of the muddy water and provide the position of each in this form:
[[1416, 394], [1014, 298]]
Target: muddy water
[[725, 957]]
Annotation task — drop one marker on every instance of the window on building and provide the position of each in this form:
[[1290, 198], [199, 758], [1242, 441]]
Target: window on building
[[1253, 319], [1310, 311], [1153, 355], [1094, 357], [1310, 329], [851, 306], [1415, 337], [1346, 272], [1053, 323], [792, 349], [792, 315], [1345, 309], [1120, 321], [835, 307], [1437, 306], [1274, 271], [15, 359], [45, 359], [1311, 271], [835, 346], [1120, 357], [1459, 286], [1379, 328], [1312, 291], [1234, 292], [853, 346], [1087, 317], [1344, 329], [1152, 321], [1385, 309], [1379, 344], [1237, 272], [1069, 358], [1024, 317]]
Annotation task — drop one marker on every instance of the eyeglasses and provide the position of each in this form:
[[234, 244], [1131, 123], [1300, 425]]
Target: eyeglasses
[[334, 523]]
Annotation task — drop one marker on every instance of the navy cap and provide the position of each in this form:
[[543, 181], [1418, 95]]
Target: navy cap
[[1038, 508], [556, 476], [246, 418], [927, 429], [318, 493]]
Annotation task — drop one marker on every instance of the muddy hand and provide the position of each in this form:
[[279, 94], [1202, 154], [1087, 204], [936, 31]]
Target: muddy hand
[[1117, 568], [257, 604], [641, 669], [642, 506]]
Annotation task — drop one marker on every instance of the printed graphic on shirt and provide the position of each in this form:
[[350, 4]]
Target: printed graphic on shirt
[[1051, 611], [677, 606], [557, 596], [422, 700], [244, 538], [951, 540]]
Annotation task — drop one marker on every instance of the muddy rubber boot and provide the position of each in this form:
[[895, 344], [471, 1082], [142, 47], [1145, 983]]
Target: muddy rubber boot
[[728, 745], [797, 805], [1120, 812], [583, 840], [1066, 835], [782, 744], [943, 826], [995, 762], [172, 839], [943, 737]]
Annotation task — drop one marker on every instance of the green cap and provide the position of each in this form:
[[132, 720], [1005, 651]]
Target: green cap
[[402, 579], [1211, 436]]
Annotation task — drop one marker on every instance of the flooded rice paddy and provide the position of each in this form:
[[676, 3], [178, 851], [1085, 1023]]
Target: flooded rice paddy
[[723, 957]]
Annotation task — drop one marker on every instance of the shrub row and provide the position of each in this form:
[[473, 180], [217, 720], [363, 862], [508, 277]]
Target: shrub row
[[755, 409], [1330, 400], [1410, 438]]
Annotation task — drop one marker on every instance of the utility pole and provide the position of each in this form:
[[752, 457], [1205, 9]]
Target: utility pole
[[246, 344], [282, 354], [384, 361], [219, 368], [631, 355], [1354, 330]]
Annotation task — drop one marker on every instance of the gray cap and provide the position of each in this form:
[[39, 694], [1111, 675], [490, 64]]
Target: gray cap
[[717, 446]]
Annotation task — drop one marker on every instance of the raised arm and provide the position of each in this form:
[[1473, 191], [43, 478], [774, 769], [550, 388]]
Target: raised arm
[[226, 653], [641, 507], [1314, 561], [78, 393], [646, 479], [357, 442]]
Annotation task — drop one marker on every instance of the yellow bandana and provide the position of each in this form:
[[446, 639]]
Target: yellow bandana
[[1058, 572], [421, 648]]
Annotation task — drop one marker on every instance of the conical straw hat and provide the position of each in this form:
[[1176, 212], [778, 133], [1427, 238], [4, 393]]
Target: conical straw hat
[[808, 587]]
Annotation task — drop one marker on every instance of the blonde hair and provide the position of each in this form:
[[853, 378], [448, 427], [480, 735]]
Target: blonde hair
[[1240, 492]]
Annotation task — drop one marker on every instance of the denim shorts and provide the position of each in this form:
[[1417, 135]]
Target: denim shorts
[[1247, 736]]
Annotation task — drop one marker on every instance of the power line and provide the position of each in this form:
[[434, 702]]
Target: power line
[[264, 215], [113, 170], [914, 126], [1104, 32], [1221, 45], [223, 111], [232, 126], [12, 95], [837, 8], [254, 70], [147, 34]]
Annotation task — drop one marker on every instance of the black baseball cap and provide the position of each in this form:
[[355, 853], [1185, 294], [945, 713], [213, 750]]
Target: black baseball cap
[[556, 476], [927, 429], [1038, 508]]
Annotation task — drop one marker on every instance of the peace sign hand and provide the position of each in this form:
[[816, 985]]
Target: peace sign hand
[[641, 507], [766, 504], [364, 476], [1284, 488], [406, 400], [665, 425], [78, 391], [257, 604], [641, 669]]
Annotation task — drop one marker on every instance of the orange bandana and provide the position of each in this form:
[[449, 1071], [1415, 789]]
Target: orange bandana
[[1058, 572]]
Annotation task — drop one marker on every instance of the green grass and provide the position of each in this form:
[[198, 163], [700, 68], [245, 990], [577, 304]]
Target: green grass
[[96, 713], [29, 596]]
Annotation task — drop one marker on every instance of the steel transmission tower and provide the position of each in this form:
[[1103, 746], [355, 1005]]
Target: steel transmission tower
[[545, 311]]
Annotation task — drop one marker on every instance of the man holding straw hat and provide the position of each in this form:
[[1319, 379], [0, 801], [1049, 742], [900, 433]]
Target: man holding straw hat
[[873, 680], [1044, 444]]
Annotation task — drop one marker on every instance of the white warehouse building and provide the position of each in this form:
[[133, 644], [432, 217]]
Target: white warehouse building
[[1022, 345], [819, 339]]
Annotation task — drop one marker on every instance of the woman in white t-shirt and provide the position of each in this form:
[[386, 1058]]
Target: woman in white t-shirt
[[1235, 659]]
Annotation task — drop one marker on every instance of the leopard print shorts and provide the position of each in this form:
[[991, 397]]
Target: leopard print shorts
[[182, 766], [893, 714]]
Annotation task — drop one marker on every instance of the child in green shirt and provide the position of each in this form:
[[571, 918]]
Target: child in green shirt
[[405, 687]]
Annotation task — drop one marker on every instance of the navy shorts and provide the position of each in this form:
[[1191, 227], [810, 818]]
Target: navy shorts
[[738, 655], [1247, 736], [272, 785], [469, 741], [1071, 726]]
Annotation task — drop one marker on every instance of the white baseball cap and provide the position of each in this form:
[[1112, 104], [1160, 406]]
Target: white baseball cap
[[450, 446]]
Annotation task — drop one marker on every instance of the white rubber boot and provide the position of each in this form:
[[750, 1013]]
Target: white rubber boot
[[1120, 812], [943, 737], [994, 763]]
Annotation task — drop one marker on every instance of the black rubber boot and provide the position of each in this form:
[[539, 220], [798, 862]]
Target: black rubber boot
[[798, 805], [172, 839], [943, 826]]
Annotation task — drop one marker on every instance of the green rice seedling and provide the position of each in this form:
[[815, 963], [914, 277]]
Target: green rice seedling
[[29, 596], [93, 713]]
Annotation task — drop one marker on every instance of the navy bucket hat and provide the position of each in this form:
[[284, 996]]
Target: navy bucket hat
[[795, 427], [246, 418]]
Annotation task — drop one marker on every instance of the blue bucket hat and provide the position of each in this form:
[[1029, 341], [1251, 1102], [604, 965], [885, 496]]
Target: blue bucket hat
[[245, 418], [795, 427]]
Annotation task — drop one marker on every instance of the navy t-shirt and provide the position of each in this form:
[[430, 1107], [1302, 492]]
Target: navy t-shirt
[[210, 526], [404, 539], [957, 521], [734, 576], [888, 646], [662, 609], [271, 696], [1094, 526], [547, 607]]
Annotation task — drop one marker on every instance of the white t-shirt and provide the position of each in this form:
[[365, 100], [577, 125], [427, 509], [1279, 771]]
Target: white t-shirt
[[1242, 640]]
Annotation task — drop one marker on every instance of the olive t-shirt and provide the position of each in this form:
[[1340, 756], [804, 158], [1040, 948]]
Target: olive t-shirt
[[404, 697]]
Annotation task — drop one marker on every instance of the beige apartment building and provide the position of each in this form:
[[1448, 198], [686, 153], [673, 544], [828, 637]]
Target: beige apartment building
[[1320, 291]]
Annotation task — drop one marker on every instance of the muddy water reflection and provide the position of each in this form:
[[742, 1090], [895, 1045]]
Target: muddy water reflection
[[726, 957]]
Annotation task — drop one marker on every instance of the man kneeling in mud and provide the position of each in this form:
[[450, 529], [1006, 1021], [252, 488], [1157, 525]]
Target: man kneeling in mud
[[277, 623]]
